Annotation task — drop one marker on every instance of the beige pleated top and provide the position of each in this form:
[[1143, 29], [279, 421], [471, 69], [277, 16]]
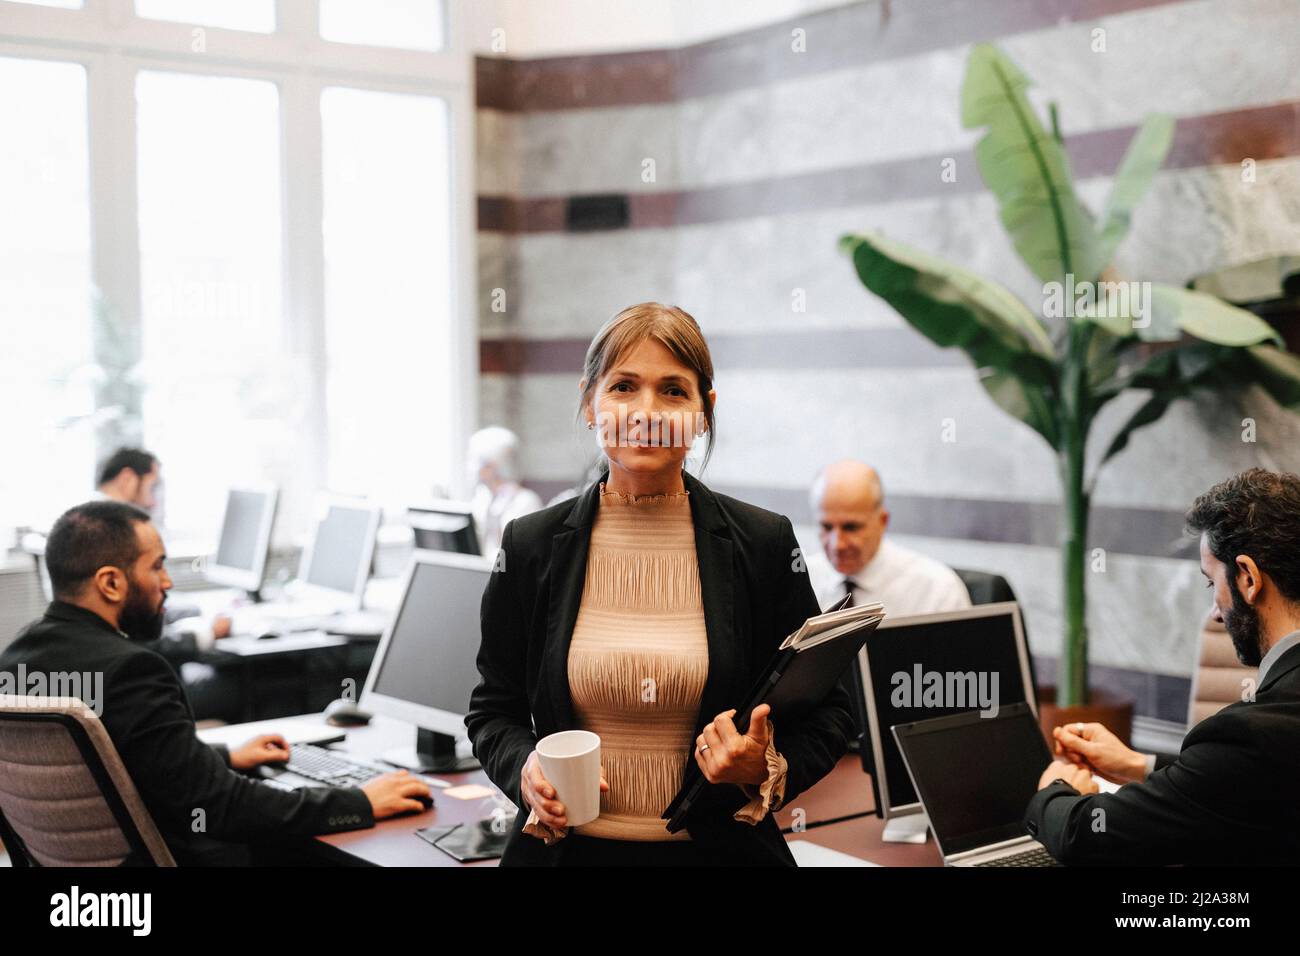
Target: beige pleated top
[[638, 662]]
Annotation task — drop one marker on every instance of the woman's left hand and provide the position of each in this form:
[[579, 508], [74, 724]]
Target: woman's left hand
[[727, 756]]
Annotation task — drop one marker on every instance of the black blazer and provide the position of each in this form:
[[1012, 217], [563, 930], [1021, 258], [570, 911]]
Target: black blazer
[[1229, 797], [148, 718], [755, 592]]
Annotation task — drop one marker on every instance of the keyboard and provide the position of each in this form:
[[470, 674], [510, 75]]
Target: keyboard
[[328, 767], [1038, 856]]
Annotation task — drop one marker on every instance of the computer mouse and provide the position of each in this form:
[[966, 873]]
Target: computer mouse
[[426, 800], [345, 713], [268, 636]]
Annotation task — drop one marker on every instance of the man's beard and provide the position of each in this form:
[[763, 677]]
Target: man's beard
[[139, 621], [1242, 623]]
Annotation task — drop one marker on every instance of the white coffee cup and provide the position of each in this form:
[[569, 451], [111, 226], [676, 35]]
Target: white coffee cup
[[570, 760]]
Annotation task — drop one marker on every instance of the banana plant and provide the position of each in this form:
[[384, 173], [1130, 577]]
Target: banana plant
[[1092, 338]]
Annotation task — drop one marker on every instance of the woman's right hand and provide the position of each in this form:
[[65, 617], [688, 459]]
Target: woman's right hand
[[541, 797]]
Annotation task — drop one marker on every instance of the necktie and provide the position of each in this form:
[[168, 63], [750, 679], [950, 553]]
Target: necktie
[[854, 692]]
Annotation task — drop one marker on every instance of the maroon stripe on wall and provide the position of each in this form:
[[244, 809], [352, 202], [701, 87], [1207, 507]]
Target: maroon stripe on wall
[[575, 82], [856, 34], [1259, 133], [811, 349]]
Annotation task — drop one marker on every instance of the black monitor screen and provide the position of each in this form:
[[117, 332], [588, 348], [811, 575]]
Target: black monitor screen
[[431, 656], [920, 671], [978, 777], [443, 531], [341, 546], [241, 538]]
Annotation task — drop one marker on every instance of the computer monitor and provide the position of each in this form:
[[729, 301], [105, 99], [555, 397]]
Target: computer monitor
[[336, 561], [933, 665], [444, 525], [240, 561], [426, 665]]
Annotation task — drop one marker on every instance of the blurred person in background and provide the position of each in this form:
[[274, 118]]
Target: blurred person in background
[[493, 464]]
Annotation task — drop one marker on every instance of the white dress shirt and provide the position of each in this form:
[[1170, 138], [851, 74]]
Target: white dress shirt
[[906, 582], [493, 512]]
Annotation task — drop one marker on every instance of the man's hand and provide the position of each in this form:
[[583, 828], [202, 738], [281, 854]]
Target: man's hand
[[268, 748], [1078, 777], [1101, 750], [395, 793], [727, 756], [221, 626]]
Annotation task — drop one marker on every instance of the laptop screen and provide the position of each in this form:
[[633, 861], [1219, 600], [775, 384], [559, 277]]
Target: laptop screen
[[976, 774]]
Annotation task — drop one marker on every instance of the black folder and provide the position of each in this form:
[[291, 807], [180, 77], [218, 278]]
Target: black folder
[[800, 675]]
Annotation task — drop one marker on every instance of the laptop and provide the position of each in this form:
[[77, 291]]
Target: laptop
[[975, 777]]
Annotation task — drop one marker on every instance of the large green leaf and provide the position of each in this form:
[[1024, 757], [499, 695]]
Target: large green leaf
[[1147, 413], [954, 307], [1172, 374], [1178, 372], [1028, 171], [1174, 311], [1257, 281], [1023, 401], [1277, 371], [1145, 154]]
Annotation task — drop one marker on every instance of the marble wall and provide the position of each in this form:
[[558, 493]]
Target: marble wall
[[762, 155]]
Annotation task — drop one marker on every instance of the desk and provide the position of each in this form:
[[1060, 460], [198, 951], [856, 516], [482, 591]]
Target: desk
[[860, 837], [837, 811], [393, 842], [308, 668], [287, 644], [843, 793]]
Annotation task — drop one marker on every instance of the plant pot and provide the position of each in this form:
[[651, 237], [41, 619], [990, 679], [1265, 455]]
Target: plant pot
[[1110, 710]]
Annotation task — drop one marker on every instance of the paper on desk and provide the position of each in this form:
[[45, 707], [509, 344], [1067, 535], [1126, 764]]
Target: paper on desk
[[807, 853], [469, 791]]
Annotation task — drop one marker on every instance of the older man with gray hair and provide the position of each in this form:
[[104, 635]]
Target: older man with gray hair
[[848, 504], [492, 463]]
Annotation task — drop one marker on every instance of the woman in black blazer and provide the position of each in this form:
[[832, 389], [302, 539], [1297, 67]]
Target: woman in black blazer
[[754, 589]]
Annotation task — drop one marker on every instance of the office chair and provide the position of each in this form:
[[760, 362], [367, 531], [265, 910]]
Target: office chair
[[1217, 680], [65, 796], [985, 587]]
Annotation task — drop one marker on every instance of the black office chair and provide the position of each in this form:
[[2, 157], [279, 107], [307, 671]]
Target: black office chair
[[985, 587]]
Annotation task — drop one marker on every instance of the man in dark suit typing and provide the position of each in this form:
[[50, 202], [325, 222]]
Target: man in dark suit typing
[[105, 561], [1230, 795]]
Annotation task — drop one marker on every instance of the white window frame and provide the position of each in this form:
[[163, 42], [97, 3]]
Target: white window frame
[[113, 45]]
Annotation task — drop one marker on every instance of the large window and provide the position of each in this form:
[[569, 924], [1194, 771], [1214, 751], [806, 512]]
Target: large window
[[411, 24], [218, 403], [237, 249], [47, 378], [387, 272], [254, 15]]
